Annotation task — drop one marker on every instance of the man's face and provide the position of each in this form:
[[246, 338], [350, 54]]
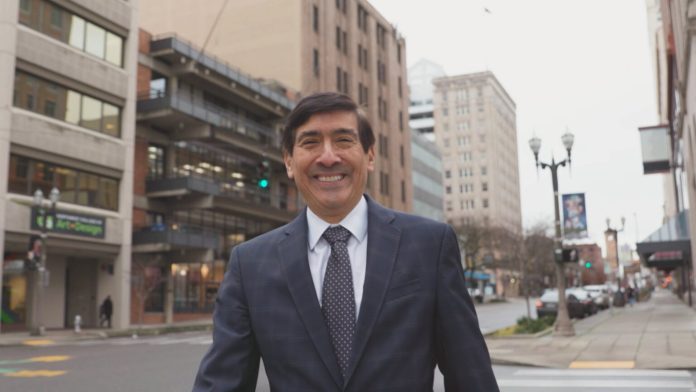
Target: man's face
[[329, 165]]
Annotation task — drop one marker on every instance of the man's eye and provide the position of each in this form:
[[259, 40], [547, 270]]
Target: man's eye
[[308, 142], [345, 140]]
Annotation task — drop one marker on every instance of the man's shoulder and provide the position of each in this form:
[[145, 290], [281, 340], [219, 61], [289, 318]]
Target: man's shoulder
[[410, 221]]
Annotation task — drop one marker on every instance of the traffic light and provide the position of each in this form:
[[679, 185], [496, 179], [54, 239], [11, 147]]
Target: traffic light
[[263, 174], [569, 255], [588, 264]]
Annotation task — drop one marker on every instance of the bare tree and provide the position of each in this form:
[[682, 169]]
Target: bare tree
[[144, 281]]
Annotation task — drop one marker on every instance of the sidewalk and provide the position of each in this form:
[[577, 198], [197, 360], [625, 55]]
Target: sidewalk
[[57, 337], [658, 334]]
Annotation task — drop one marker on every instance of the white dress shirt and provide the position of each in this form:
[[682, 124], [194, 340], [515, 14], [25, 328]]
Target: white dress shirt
[[319, 249]]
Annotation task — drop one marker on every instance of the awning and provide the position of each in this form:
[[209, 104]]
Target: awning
[[477, 275], [669, 246]]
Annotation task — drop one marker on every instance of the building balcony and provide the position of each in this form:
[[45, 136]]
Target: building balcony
[[180, 193], [164, 239], [190, 60], [188, 119]]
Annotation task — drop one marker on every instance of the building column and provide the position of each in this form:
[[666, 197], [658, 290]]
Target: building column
[[8, 30], [169, 296]]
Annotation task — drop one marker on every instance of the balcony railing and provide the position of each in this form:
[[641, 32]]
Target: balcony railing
[[177, 237], [211, 114], [186, 48], [199, 184]]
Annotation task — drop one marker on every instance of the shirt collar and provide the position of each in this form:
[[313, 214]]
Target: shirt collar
[[355, 222]]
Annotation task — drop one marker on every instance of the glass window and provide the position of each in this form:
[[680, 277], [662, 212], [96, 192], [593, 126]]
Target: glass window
[[112, 120], [56, 17], [155, 158], [77, 32], [114, 49], [29, 13], [108, 194], [19, 175], [72, 107], [50, 108], [88, 187], [91, 113], [66, 181], [24, 5], [95, 38]]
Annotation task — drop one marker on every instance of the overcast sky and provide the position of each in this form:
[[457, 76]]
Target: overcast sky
[[582, 64]]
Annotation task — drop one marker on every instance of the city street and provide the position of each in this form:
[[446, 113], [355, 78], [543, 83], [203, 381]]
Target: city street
[[493, 316], [168, 363]]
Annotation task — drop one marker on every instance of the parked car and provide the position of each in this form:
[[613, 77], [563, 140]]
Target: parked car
[[476, 294], [600, 293], [584, 296], [547, 304]]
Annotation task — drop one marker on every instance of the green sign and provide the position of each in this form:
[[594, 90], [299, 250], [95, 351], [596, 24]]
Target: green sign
[[69, 223]]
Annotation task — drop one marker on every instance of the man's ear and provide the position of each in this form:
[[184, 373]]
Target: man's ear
[[287, 158], [371, 158]]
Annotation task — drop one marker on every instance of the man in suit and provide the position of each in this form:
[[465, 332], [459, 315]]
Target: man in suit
[[349, 296]]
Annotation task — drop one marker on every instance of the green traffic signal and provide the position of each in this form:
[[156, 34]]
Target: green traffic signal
[[263, 183], [588, 264]]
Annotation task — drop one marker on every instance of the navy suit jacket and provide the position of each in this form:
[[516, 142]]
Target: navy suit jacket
[[415, 314]]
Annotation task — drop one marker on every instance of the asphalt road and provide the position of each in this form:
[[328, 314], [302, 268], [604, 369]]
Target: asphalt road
[[168, 363]]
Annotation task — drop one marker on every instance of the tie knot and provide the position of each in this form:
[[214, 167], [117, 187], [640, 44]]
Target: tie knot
[[336, 234]]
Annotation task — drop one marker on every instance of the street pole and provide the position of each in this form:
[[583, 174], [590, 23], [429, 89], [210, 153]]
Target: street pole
[[562, 327], [40, 274]]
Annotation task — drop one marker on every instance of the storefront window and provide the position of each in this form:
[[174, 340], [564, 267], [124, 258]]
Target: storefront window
[[196, 285], [14, 293]]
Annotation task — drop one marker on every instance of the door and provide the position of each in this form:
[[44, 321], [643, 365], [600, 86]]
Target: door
[[81, 292]]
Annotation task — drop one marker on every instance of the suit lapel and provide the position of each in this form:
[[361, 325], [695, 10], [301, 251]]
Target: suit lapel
[[293, 256], [382, 247]]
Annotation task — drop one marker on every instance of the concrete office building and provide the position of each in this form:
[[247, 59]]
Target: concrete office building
[[68, 122], [476, 133], [310, 46], [209, 175]]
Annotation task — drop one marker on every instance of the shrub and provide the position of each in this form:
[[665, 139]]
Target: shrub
[[527, 325]]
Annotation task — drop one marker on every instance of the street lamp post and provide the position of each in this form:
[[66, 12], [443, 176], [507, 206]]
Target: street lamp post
[[40, 273], [563, 327]]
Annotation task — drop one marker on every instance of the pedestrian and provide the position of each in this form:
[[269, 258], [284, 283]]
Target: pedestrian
[[350, 295], [106, 309], [631, 293]]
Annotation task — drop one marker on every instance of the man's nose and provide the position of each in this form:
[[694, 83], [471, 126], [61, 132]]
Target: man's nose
[[328, 155]]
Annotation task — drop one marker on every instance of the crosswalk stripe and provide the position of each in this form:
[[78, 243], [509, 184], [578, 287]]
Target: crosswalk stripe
[[577, 383], [603, 373]]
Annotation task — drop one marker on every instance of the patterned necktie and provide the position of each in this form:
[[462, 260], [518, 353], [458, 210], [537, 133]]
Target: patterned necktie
[[338, 298]]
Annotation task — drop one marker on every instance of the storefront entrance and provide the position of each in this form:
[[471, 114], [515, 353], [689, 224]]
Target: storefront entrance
[[81, 292]]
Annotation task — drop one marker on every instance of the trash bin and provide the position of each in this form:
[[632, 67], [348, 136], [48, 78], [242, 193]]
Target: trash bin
[[619, 299]]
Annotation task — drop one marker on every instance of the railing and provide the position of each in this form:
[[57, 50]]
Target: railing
[[172, 41], [211, 114], [224, 189], [182, 236]]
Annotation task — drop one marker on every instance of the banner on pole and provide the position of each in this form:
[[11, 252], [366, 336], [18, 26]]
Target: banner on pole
[[574, 216]]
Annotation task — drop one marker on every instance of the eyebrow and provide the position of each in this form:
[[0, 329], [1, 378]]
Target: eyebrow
[[338, 131]]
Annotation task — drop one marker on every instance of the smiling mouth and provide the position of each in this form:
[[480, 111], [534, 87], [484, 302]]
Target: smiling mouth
[[333, 178]]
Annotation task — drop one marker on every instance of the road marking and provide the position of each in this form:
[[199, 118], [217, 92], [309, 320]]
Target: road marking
[[36, 373], [50, 358], [633, 384], [38, 342], [603, 373], [602, 365]]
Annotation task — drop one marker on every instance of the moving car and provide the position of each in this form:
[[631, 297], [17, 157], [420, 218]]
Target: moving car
[[547, 304]]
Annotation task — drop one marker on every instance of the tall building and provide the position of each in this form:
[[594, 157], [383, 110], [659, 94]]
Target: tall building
[[426, 178], [476, 133], [310, 46], [426, 159], [209, 175], [68, 124], [420, 82]]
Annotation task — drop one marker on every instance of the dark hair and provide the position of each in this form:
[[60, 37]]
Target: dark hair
[[322, 103]]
